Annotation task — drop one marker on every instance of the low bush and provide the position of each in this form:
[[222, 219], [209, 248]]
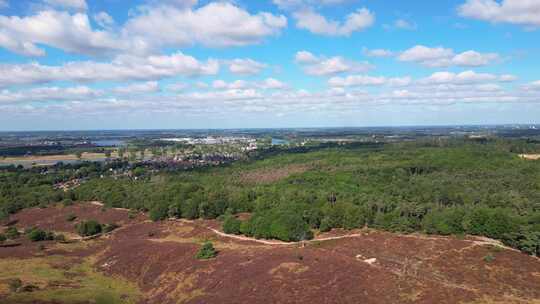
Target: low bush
[[12, 233], [207, 251], [38, 235], [89, 228], [489, 258]]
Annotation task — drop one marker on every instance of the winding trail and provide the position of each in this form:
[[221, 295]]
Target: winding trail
[[100, 204], [281, 243]]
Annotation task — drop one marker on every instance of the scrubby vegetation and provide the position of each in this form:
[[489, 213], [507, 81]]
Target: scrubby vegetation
[[89, 228], [12, 233], [40, 276], [439, 187], [37, 235], [207, 251]]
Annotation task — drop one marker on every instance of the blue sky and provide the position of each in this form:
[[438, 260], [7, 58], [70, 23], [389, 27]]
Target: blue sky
[[104, 64]]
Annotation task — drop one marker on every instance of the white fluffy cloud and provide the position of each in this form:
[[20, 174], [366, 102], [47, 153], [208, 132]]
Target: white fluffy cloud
[[532, 86], [272, 84], [221, 85], [69, 4], [245, 98], [291, 4], [49, 94], [245, 66], [120, 69], [483, 80], [138, 88], [444, 57], [364, 80], [323, 66], [217, 24], [318, 24], [176, 3], [473, 58], [467, 77], [401, 24], [223, 95], [524, 12], [305, 57], [377, 52], [267, 84], [104, 20], [69, 32], [507, 78]]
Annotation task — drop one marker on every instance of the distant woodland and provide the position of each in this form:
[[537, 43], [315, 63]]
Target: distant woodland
[[445, 187]]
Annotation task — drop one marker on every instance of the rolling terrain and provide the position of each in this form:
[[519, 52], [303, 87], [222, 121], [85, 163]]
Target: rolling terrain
[[154, 262]]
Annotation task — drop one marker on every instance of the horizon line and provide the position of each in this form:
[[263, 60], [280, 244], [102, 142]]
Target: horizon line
[[281, 128]]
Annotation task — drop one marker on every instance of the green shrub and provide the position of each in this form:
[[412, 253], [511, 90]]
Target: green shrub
[[489, 258], [207, 251], [38, 235], [12, 233], [231, 225], [3, 238], [88, 228]]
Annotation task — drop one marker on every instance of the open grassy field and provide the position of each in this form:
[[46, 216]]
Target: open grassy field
[[60, 157], [65, 280]]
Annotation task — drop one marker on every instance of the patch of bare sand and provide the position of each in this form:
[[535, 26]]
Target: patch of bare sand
[[530, 156]]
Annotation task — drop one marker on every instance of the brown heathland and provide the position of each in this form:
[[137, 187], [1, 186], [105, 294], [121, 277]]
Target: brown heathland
[[372, 267]]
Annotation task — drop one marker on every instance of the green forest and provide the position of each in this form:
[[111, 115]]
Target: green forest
[[445, 187]]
